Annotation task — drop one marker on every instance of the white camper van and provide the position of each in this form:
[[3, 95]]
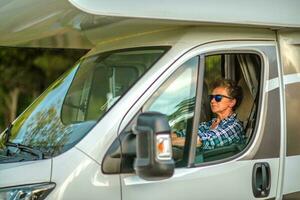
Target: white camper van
[[102, 130]]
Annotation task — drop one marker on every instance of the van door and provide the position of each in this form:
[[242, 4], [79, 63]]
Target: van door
[[248, 171]]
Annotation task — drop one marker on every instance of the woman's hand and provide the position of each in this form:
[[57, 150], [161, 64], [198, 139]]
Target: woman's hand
[[177, 141], [199, 142]]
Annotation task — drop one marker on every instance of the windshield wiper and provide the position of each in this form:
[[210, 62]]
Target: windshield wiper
[[21, 147], [8, 133], [27, 149]]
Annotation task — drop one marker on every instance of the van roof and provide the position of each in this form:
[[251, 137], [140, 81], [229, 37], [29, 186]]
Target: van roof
[[82, 24], [276, 13]]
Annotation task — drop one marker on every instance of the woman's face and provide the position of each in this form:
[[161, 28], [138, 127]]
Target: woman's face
[[225, 105]]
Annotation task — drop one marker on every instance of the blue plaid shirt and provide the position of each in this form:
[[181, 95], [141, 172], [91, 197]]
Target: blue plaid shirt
[[228, 131]]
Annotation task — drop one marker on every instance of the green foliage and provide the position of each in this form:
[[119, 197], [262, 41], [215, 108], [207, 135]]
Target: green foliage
[[29, 71], [212, 69]]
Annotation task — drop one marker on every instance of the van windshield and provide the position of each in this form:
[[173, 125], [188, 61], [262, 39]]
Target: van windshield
[[73, 104]]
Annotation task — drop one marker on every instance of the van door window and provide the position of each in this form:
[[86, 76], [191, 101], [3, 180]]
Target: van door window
[[219, 139], [176, 99]]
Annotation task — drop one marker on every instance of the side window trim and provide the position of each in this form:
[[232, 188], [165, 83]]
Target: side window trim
[[199, 91]]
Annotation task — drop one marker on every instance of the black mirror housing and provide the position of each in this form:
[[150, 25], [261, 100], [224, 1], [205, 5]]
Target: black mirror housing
[[152, 130]]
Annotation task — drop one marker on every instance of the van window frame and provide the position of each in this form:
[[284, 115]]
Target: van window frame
[[191, 161]]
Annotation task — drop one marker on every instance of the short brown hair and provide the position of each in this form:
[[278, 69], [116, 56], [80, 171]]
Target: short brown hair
[[233, 89]]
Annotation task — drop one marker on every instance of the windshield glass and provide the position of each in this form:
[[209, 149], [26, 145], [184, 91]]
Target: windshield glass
[[73, 104]]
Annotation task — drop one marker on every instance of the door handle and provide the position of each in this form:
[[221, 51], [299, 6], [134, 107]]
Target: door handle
[[261, 179]]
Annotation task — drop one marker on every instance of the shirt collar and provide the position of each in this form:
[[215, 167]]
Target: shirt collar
[[227, 119]]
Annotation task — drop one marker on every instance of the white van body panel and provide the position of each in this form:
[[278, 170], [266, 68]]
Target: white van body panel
[[100, 138], [210, 182], [291, 174], [77, 176], [20, 173], [186, 36]]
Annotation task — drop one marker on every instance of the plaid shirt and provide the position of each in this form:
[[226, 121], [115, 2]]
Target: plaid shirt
[[228, 131]]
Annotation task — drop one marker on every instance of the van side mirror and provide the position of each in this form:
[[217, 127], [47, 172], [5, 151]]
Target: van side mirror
[[154, 149]]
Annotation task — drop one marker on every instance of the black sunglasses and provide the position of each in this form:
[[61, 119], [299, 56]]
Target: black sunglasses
[[218, 97]]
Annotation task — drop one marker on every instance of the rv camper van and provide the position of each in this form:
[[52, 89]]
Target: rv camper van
[[103, 129]]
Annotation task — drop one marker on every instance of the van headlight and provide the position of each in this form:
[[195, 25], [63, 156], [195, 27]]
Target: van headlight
[[27, 192]]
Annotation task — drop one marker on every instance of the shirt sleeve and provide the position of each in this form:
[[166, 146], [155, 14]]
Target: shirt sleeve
[[220, 136], [180, 133]]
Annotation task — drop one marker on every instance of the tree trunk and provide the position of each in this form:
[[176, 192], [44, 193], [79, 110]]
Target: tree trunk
[[11, 102]]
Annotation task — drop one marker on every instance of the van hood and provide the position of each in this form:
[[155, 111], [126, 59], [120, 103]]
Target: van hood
[[22, 173]]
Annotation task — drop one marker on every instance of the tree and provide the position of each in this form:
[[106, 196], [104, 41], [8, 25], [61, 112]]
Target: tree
[[25, 73]]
